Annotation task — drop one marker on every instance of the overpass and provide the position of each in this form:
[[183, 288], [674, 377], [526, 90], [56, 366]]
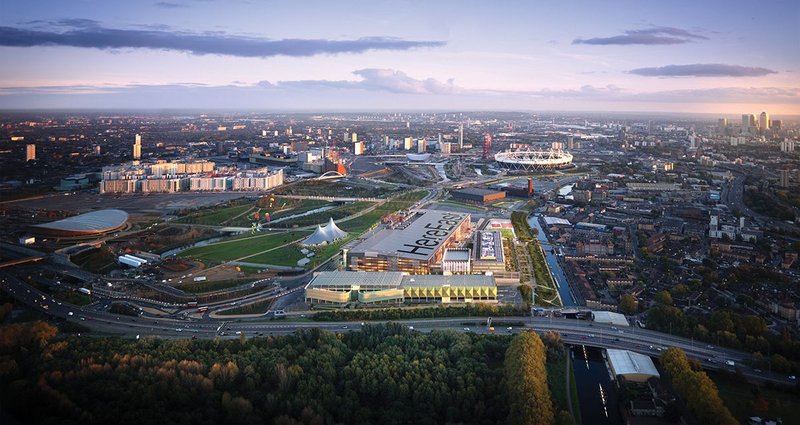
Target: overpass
[[572, 331]]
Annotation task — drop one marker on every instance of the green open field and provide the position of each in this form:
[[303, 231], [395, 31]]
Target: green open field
[[740, 397], [259, 307], [336, 213], [215, 216], [208, 286], [285, 207], [338, 187], [235, 248], [288, 256], [464, 206]]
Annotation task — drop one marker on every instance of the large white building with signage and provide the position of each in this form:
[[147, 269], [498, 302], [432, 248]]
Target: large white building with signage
[[415, 246]]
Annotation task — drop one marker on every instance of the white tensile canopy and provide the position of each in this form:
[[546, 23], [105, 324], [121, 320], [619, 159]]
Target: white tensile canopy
[[327, 234]]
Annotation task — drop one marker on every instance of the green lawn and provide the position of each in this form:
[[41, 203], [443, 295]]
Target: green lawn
[[460, 205], [241, 247], [208, 286], [739, 398], [76, 298], [336, 213], [259, 307], [288, 256], [302, 205], [216, 216]]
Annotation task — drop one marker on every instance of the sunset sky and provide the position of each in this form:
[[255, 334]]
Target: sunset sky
[[688, 56]]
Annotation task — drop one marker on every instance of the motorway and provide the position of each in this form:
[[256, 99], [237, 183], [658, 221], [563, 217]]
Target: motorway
[[572, 331]]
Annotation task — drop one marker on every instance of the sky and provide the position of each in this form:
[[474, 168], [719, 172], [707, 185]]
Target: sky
[[663, 56]]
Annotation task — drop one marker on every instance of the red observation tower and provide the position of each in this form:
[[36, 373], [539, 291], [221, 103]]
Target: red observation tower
[[487, 145]]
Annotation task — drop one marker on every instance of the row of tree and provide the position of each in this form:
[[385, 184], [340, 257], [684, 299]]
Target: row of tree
[[696, 389], [529, 401]]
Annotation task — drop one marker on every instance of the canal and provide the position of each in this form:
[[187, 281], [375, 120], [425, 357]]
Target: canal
[[567, 299], [596, 391]]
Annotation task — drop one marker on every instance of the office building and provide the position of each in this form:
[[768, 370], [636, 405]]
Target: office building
[[358, 147], [787, 145], [457, 261], [461, 137], [137, 148], [422, 145], [354, 137], [570, 142], [748, 121], [784, 178], [408, 143], [445, 147], [488, 252], [763, 121], [414, 246], [722, 123], [30, 152]]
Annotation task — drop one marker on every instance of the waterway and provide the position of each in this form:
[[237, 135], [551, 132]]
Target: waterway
[[596, 391], [314, 211], [567, 299]]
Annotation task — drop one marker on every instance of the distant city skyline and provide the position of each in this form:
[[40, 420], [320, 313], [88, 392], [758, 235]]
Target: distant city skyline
[[724, 57]]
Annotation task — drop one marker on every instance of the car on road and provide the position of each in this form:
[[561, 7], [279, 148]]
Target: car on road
[[238, 332], [466, 329], [411, 328], [178, 330], [344, 327], [70, 313], [510, 328], [792, 377]]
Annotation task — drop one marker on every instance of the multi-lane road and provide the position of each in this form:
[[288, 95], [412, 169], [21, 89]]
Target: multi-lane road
[[572, 331]]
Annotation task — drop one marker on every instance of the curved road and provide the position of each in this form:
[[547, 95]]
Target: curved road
[[579, 332]]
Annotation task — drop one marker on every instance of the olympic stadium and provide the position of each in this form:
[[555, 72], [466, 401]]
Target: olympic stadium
[[534, 160], [91, 224]]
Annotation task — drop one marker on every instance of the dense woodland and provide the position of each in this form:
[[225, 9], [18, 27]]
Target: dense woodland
[[383, 374]]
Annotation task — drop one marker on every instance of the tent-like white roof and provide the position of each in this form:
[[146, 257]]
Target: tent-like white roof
[[327, 234]]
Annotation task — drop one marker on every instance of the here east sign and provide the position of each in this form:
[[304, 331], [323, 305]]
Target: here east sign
[[433, 235]]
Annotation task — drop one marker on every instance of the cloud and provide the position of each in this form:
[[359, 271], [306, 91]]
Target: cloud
[[703, 70], [387, 80], [380, 88], [650, 36], [89, 34], [169, 5]]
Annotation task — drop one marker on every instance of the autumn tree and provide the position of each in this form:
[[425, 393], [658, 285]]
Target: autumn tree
[[627, 304], [696, 388], [529, 399]]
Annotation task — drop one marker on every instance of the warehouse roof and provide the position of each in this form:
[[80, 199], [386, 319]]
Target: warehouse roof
[[360, 279], [610, 318], [632, 365]]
